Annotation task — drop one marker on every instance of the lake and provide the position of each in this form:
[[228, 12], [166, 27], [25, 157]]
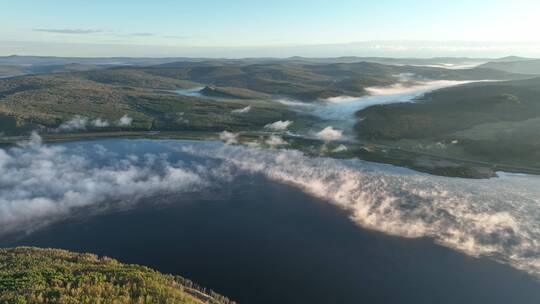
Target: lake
[[265, 226]]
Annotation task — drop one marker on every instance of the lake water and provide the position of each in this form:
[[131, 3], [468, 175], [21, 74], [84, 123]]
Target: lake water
[[265, 226]]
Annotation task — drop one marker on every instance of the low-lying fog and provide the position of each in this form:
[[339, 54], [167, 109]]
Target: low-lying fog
[[453, 66], [194, 92], [340, 111], [499, 217]]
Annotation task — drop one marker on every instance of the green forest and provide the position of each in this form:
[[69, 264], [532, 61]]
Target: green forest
[[31, 275]]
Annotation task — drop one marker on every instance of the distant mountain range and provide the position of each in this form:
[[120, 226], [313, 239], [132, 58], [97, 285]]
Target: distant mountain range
[[522, 66], [20, 65], [147, 61]]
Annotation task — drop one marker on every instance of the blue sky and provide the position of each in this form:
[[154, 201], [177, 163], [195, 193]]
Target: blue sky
[[259, 28]]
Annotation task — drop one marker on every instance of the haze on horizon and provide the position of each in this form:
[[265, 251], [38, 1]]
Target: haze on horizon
[[317, 28]]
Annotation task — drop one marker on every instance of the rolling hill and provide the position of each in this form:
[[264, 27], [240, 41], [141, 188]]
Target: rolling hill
[[307, 82], [523, 66], [101, 96], [494, 122], [47, 101]]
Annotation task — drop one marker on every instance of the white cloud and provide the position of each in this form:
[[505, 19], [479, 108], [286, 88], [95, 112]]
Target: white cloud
[[293, 103], [41, 183], [279, 125], [228, 137], [125, 121], [242, 110], [34, 142], [496, 218], [419, 87], [69, 31], [329, 134], [78, 122], [340, 148], [340, 99], [100, 123], [275, 140]]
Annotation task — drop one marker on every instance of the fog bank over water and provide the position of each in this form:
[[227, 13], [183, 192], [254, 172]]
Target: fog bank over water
[[340, 111], [194, 92], [43, 183], [499, 218], [496, 217]]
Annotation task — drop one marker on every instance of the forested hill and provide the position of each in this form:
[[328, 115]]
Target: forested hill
[[98, 98], [522, 66], [33, 275], [494, 122]]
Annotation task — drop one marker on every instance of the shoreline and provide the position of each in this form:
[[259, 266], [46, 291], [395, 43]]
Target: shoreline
[[475, 169]]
